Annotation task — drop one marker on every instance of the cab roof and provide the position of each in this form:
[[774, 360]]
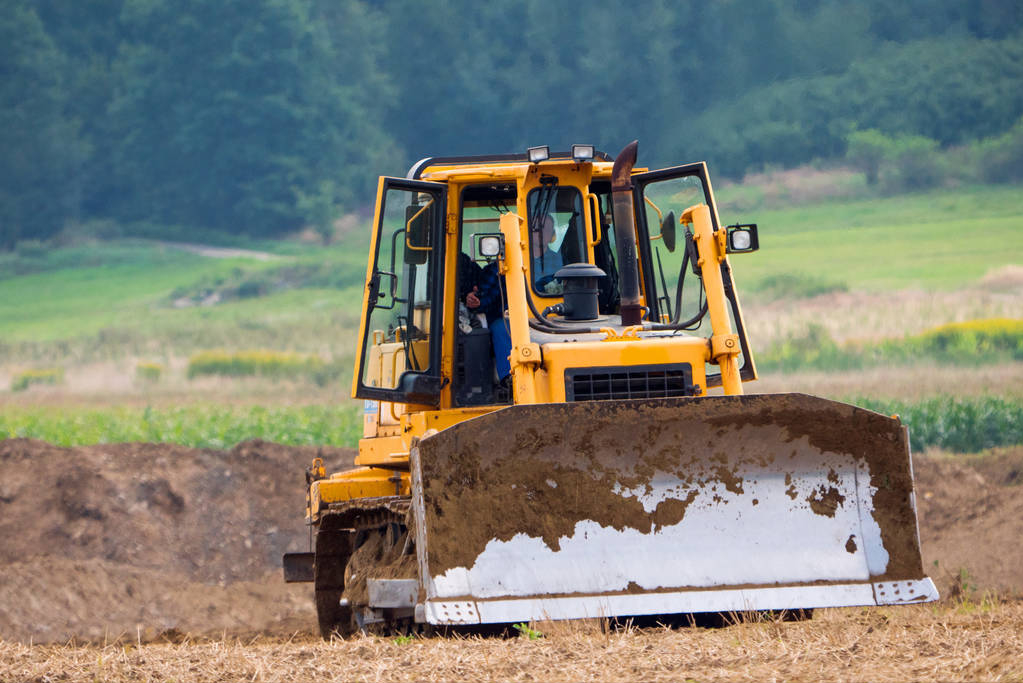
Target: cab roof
[[421, 166]]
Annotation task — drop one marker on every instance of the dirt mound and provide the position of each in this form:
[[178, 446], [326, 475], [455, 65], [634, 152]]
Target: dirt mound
[[53, 599], [971, 520], [99, 539], [102, 541]]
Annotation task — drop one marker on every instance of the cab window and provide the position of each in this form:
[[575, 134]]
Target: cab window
[[664, 202], [400, 313], [557, 235]]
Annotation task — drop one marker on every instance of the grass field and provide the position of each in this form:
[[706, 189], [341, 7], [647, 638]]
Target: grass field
[[200, 425], [973, 343], [960, 424], [150, 295], [943, 239]]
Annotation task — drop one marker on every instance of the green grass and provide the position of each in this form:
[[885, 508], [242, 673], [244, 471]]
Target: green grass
[[33, 257], [962, 425], [264, 363], [320, 321], [977, 342], [24, 380], [796, 286], [125, 305], [75, 302], [942, 239], [196, 425]]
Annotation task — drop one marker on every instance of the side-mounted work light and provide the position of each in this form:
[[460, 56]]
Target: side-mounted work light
[[742, 239]]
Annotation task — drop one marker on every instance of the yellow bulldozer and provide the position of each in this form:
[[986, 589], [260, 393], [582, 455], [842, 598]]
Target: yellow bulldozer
[[551, 357]]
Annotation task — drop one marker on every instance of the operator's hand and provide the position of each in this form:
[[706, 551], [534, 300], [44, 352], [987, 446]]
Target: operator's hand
[[471, 300]]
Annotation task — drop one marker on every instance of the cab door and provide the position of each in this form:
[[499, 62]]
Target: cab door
[[399, 350], [660, 199]]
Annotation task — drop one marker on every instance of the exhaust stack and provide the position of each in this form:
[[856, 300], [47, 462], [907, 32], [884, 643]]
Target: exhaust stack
[[625, 234]]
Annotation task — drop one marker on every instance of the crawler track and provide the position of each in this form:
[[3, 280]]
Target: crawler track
[[352, 539]]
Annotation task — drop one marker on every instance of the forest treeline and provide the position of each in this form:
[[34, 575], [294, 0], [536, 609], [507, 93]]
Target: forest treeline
[[257, 117]]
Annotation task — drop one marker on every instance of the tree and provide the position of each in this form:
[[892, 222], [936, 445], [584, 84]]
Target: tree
[[40, 146], [914, 164], [88, 36], [234, 115], [866, 149], [1001, 158]]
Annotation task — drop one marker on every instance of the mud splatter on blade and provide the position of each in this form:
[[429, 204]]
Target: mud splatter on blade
[[619, 508]]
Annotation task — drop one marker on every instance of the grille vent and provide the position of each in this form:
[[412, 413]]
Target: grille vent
[[635, 381]]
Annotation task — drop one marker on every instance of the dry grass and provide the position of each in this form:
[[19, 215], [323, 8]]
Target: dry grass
[[955, 641], [865, 316], [1005, 278], [116, 384], [791, 187], [905, 383]]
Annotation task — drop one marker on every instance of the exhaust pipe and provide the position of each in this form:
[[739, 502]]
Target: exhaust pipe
[[625, 234]]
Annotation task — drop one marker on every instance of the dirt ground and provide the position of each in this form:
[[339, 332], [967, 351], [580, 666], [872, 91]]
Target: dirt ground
[[143, 538], [877, 644], [140, 541]]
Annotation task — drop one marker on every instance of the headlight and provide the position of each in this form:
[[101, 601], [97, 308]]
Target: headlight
[[490, 246], [582, 152], [538, 154], [742, 238]]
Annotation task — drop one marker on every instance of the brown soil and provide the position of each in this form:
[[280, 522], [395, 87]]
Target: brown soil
[[971, 520], [101, 540], [143, 539]]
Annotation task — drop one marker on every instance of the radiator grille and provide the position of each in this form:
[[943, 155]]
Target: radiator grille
[[636, 381]]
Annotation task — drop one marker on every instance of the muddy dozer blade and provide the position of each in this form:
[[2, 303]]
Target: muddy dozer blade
[[621, 508]]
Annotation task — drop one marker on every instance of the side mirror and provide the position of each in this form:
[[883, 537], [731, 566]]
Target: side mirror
[[487, 246], [668, 231], [742, 239], [417, 233], [382, 299]]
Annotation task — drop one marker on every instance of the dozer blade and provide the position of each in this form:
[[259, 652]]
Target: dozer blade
[[648, 507]]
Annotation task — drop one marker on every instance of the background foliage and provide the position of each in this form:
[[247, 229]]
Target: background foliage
[[197, 425], [256, 117], [965, 425], [972, 343]]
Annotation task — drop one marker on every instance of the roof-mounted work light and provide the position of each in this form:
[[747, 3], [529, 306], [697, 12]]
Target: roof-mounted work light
[[538, 154], [582, 152]]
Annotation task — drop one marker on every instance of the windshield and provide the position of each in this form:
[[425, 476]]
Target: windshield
[[557, 235], [664, 201]]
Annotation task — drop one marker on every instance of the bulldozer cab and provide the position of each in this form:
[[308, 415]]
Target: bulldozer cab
[[425, 259]]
